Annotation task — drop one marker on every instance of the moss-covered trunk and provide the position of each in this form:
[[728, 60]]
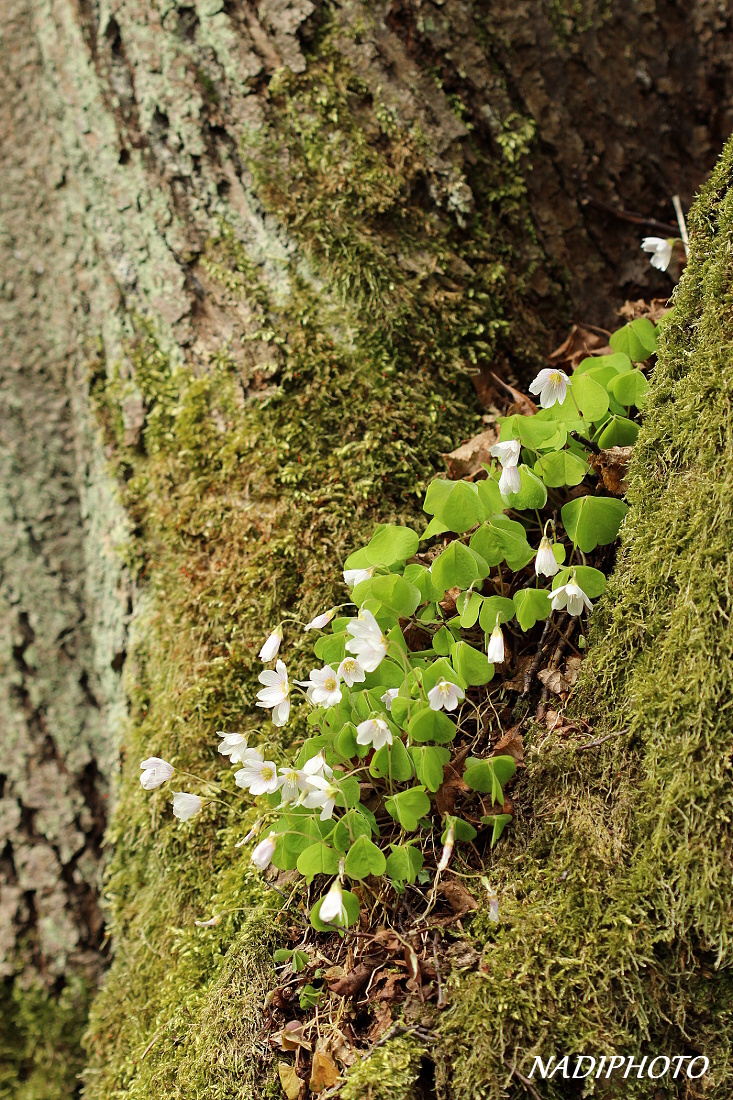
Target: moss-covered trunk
[[269, 243]]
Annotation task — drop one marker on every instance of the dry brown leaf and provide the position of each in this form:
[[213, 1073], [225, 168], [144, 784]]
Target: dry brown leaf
[[342, 1050], [557, 723], [654, 310], [572, 669], [467, 460], [355, 981], [612, 465], [389, 940], [580, 344], [334, 973], [324, 1072], [522, 403], [281, 998], [492, 391], [517, 681], [292, 1085], [458, 897], [447, 793], [551, 718], [553, 680], [390, 989], [382, 1020], [448, 603], [511, 744]]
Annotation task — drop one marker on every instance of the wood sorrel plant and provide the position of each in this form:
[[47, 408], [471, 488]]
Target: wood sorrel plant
[[399, 698]]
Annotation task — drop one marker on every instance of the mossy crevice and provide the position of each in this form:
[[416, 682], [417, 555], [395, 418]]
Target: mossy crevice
[[615, 884]]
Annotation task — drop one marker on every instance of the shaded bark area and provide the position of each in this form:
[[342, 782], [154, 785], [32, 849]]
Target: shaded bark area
[[626, 104], [134, 131]]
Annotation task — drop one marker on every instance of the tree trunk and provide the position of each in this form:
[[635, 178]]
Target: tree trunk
[[251, 255]]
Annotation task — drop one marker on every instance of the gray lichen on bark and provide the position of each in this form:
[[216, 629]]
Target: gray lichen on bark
[[63, 598]]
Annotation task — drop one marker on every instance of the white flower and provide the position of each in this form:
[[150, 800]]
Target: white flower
[[356, 576], [290, 782], [317, 766], [321, 795], [375, 732], [264, 852], [351, 671], [234, 745], [210, 923], [323, 689], [552, 385], [155, 771], [389, 695], [495, 652], [258, 777], [508, 453], [445, 695], [367, 641], [510, 481], [333, 910], [572, 597], [275, 693], [661, 251], [271, 646], [545, 564], [450, 841], [321, 620], [185, 805]]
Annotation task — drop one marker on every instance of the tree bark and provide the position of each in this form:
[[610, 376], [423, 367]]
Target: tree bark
[[237, 210]]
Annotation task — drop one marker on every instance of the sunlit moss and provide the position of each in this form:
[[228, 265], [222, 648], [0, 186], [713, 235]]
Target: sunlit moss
[[40, 1054]]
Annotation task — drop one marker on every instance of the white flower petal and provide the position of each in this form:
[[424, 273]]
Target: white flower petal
[[545, 564], [495, 653], [272, 645], [510, 481], [508, 452], [263, 853], [185, 805], [155, 771]]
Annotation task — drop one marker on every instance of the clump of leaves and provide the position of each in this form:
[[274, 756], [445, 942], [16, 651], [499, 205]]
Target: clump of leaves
[[398, 765]]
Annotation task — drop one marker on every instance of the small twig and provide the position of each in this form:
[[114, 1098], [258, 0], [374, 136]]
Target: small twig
[[630, 216], [536, 660], [681, 223], [519, 397], [593, 328], [525, 1080], [593, 447], [296, 916], [441, 1001], [601, 740], [150, 1045]]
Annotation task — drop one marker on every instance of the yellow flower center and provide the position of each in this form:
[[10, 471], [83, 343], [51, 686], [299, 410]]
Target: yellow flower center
[[556, 377], [331, 684], [268, 773]]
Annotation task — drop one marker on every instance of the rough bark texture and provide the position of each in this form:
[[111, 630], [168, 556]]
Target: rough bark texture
[[266, 242]]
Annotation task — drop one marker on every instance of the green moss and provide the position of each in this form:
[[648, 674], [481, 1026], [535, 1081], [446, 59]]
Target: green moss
[[391, 1072], [616, 885], [40, 1056]]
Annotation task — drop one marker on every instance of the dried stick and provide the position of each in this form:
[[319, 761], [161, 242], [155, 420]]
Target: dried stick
[[681, 223]]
